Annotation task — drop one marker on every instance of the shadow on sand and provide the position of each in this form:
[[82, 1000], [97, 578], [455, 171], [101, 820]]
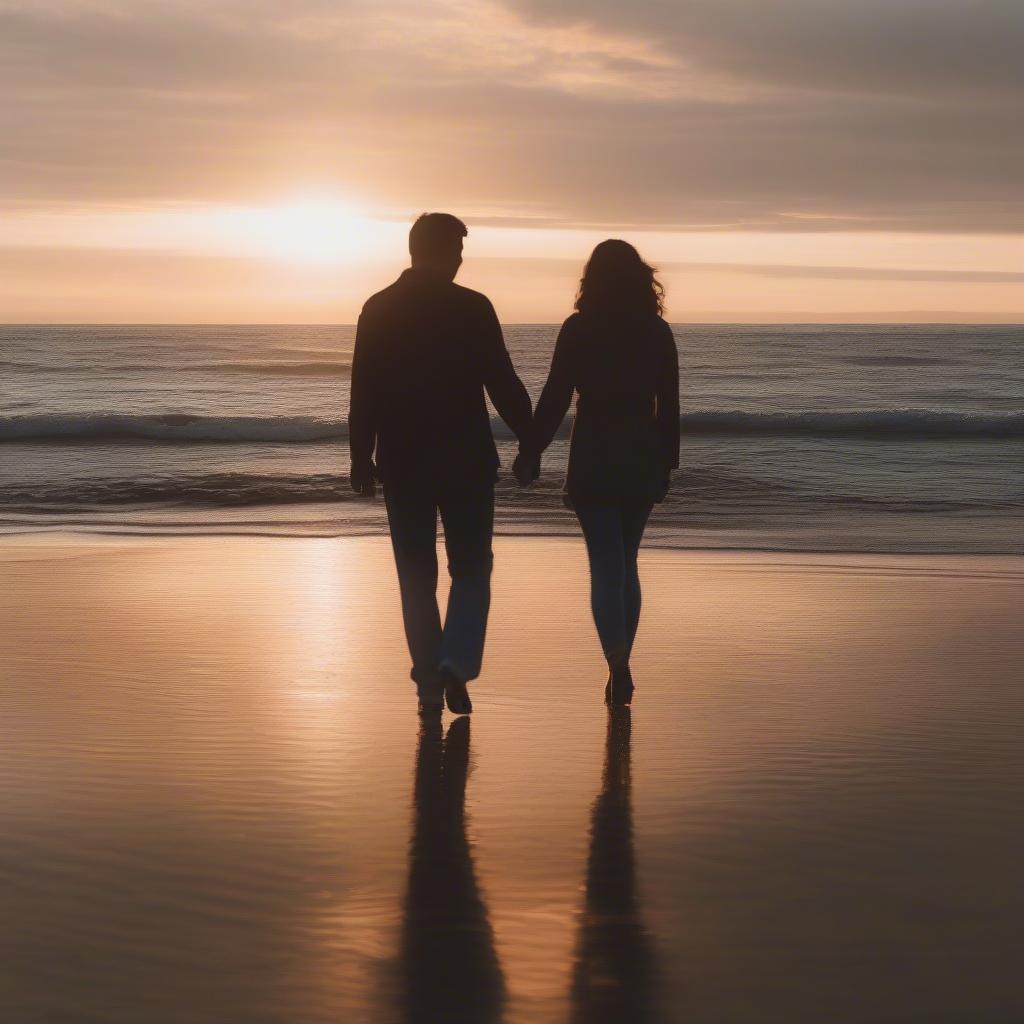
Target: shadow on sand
[[615, 977], [449, 970]]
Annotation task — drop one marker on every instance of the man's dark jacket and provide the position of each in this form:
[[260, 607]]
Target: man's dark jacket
[[425, 350]]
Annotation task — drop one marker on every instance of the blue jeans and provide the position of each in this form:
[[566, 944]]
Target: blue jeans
[[613, 536], [468, 517]]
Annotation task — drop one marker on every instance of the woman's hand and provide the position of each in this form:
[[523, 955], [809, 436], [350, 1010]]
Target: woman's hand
[[526, 468]]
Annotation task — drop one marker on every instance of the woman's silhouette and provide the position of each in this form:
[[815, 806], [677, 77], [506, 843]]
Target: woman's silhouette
[[618, 355], [615, 978]]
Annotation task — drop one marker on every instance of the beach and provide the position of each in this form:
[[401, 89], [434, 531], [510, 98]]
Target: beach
[[218, 804]]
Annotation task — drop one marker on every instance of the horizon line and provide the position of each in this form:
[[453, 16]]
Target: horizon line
[[893, 320]]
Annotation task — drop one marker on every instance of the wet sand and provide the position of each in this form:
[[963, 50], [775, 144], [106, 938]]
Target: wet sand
[[218, 804]]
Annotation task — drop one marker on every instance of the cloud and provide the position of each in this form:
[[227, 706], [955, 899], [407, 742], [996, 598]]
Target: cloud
[[925, 48], [795, 115], [782, 270], [49, 285], [854, 273]]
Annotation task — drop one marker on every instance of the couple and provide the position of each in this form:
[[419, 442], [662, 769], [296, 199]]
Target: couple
[[426, 349]]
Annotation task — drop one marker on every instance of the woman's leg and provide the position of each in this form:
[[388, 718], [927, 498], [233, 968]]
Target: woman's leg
[[602, 531], [634, 521]]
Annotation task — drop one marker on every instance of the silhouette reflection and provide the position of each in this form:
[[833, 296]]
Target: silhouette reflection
[[615, 975], [449, 970]]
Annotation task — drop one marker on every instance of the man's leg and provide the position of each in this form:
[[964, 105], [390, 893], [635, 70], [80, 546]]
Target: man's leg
[[412, 518], [468, 518]]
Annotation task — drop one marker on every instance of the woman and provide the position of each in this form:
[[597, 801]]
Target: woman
[[618, 354]]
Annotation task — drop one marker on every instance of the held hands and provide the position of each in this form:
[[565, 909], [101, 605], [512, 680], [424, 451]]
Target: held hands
[[363, 480], [526, 468]]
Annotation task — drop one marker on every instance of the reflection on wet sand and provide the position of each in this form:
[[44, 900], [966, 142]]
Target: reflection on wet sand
[[206, 747], [615, 976], [449, 970]]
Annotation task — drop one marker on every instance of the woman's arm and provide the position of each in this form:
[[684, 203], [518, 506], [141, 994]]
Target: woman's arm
[[667, 407], [557, 393]]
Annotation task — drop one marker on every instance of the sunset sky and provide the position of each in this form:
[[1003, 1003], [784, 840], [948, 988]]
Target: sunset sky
[[251, 160]]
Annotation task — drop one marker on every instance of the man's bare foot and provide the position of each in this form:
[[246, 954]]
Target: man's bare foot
[[455, 693]]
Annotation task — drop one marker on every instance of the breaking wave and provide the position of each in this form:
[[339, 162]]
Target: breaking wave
[[906, 423], [185, 427], [695, 492], [171, 427]]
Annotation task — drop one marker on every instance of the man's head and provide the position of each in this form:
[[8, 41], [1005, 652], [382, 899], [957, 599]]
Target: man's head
[[435, 242]]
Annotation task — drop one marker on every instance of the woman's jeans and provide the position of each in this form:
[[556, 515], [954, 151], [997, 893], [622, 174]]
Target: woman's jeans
[[613, 536]]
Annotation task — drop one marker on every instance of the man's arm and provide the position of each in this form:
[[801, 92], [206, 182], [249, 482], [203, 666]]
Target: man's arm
[[362, 416], [503, 385]]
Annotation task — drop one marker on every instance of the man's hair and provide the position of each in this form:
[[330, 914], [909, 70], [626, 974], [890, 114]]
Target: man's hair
[[435, 234]]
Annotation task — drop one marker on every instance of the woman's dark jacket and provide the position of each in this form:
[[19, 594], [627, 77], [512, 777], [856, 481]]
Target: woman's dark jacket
[[625, 437]]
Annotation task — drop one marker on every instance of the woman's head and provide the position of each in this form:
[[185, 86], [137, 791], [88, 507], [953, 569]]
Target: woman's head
[[617, 282]]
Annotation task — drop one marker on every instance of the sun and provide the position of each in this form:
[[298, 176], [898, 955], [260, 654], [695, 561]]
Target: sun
[[305, 231], [314, 232]]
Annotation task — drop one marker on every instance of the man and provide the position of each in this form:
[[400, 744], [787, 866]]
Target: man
[[425, 350]]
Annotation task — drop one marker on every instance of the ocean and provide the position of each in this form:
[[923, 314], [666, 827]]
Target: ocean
[[795, 437]]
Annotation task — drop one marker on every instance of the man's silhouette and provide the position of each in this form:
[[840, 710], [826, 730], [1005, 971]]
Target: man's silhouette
[[425, 350], [448, 968]]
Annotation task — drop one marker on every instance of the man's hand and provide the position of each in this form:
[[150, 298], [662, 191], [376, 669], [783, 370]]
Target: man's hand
[[526, 468], [363, 479]]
